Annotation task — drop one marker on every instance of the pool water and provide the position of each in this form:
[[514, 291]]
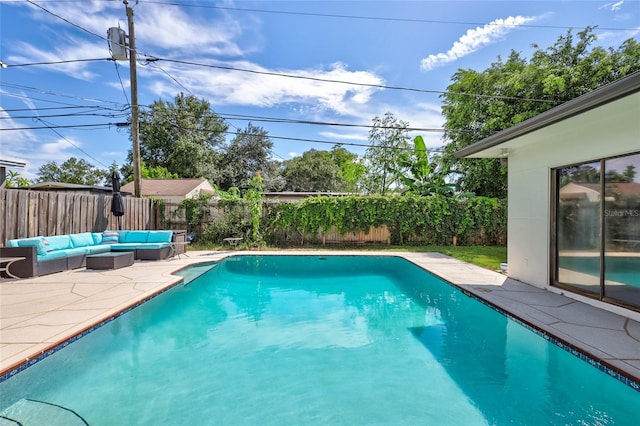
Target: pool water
[[353, 340]]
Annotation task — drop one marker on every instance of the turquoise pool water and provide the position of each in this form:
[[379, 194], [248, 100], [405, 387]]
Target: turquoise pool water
[[280, 340]]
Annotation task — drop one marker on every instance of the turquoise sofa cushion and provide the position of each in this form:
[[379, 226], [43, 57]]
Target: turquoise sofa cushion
[[125, 246], [135, 246], [78, 251], [98, 249], [159, 236], [37, 242], [82, 240], [13, 243], [58, 242], [133, 236], [97, 238], [58, 254]]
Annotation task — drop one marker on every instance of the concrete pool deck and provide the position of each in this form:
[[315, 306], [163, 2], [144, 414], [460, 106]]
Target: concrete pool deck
[[38, 314]]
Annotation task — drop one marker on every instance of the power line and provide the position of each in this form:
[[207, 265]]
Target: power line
[[353, 83], [52, 93], [81, 114], [53, 129], [120, 80], [69, 126], [64, 107], [319, 79], [65, 61], [317, 123], [373, 18], [15, 95], [66, 20]]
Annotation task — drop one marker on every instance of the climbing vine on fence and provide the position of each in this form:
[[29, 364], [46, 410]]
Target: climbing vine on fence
[[433, 219]]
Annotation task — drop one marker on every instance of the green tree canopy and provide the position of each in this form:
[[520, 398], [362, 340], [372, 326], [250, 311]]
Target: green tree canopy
[[351, 169], [480, 103], [248, 154], [14, 180], [389, 140], [183, 136], [418, 175], [73, 170], [314, 171]]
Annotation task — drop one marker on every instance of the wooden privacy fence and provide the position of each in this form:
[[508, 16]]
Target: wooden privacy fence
[[28, 213]]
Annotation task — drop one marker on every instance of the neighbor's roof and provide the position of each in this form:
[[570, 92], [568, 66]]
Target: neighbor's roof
[[12, 163], [600, 96], [167, 187]]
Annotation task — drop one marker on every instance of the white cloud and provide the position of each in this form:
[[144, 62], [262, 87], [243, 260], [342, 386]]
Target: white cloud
[[229, 87], [613, 6], [474, 40], [54, 150], [617, 5], [170, 29], [68, 50], [347, 136]]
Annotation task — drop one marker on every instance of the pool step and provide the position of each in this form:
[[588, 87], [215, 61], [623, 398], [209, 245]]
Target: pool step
[[29, 412], [191, 273]]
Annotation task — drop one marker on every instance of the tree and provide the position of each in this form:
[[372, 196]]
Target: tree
[[314, 171], [389, 140], [72, 171], [14, 180], [418, 175], [249, 154], [479, 104], [351, 169], [254, 199], [184, 137]]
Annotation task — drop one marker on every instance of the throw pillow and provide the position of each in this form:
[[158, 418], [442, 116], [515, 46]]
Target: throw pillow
[[110, 237]]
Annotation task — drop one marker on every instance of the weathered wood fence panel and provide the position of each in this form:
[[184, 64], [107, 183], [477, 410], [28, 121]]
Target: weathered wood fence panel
[[26, 213], [379, 235]]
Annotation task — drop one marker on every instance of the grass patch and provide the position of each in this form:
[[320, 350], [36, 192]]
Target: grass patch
[[486, 256]]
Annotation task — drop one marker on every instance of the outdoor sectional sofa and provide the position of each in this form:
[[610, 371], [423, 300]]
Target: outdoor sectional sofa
[[46, 255]]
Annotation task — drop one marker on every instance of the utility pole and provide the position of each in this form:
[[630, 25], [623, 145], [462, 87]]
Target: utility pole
[[135, 136]]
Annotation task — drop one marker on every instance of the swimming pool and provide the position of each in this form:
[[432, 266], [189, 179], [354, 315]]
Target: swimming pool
[[319, 340]]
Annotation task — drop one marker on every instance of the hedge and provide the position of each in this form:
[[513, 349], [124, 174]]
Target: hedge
[[409, 219]]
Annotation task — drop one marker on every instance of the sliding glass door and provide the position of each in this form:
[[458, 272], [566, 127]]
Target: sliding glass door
[[622, 229], [597, 229], [578, 230]]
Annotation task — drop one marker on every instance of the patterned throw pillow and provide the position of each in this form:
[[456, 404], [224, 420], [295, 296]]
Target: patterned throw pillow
[[110, 237]]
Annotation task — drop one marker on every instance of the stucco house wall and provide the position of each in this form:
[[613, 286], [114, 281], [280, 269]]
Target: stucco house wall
[[609, 130]]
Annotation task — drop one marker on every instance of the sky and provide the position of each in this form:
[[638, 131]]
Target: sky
[[302, 63]]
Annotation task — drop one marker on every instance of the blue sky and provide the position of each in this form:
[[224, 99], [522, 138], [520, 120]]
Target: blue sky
[[377, 44]]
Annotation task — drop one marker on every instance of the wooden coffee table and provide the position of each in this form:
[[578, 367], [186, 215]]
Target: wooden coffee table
[[111, 260]]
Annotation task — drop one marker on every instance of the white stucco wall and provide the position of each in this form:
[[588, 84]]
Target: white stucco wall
[[606, 131]]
